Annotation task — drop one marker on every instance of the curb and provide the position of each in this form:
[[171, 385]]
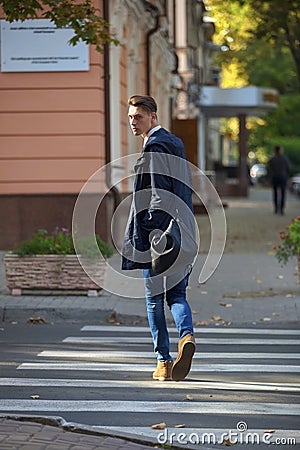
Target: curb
[[73, 427], [49, 315]]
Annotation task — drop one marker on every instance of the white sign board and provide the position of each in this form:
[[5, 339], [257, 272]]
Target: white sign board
[[39, 46]]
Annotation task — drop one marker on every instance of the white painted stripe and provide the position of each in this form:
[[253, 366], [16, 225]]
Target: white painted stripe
[[124, 384], [149, 367], [204, 330], [247, 408], [142, 340], [112, 355]]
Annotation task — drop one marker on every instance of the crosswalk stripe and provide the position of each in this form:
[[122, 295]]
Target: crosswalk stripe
[[237, 408], [142, 340], [150, 384], [149, 367], [204, 330], [112, 355]]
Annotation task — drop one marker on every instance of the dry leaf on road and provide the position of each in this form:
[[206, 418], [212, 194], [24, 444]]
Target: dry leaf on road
[[159, 426], [227, 442], [202, 323], [36, 320]]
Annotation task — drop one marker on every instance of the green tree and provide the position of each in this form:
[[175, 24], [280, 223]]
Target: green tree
[[82, 16], [270, 66], [260, 40], [232, 23], [278, 22]]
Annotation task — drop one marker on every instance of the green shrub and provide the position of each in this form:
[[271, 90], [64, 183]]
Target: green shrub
[[290, 242], [60, 242]]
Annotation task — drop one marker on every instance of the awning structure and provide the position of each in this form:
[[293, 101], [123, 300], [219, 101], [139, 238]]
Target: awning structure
[[233, 102], [241, 103]]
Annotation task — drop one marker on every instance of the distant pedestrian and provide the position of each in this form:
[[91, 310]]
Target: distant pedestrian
[[155, 191], [278, 170]]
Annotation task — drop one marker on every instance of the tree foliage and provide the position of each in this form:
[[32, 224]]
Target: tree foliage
[[232, 23], [260, 40], [82, 16], [278, 22], [255, 47], [270, 66]]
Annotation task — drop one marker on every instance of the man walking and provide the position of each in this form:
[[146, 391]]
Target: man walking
[[155, 191], [279, 168]]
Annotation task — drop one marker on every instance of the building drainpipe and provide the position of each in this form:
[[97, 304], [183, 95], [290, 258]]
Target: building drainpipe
[[114, 191], [148, 44]]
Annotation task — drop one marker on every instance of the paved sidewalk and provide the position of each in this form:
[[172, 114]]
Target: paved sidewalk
[[32, 435]]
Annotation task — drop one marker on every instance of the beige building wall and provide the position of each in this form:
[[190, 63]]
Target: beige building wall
[[51, 129]]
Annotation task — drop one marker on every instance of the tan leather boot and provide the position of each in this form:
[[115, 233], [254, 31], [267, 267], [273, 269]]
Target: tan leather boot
[[183, 362], [163, 371]]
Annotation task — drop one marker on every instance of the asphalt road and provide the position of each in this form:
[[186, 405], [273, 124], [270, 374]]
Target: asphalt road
[[244, 380]]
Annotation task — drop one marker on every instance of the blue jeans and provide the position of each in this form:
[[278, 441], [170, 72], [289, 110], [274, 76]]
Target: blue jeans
[[176, 300]]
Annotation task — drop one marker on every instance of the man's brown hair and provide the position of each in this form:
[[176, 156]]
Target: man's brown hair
[[143, 101]]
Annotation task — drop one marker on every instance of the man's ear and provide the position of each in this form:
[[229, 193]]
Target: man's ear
[[153, 117]]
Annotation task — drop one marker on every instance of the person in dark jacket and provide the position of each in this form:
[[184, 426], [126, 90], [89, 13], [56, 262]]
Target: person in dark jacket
[[162, 189], [278, 170]]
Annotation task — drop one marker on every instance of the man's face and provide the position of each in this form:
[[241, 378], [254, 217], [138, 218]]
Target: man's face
[[140, 121]]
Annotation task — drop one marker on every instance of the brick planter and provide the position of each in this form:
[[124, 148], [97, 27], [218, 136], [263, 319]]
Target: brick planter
[[52, 272]]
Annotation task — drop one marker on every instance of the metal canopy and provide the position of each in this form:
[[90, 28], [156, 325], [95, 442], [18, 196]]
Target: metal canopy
[[233, 102]]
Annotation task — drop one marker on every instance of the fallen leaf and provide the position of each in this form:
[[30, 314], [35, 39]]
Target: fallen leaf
[[203, 292], [181, 425], [290, 296], [34, 397], [113, 319], [159, 426], [216, 318], [280, 277], [36, 320], [271, 253], [265, 319], [258, 281], [226, 305], [201, 323], [194, 312], [189, 397], [227, 442]]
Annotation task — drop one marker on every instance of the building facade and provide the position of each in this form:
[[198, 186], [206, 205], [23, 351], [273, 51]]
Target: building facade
[[58, 127]]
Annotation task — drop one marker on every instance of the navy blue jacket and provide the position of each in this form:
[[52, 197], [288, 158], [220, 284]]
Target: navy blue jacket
[[162, 175]]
